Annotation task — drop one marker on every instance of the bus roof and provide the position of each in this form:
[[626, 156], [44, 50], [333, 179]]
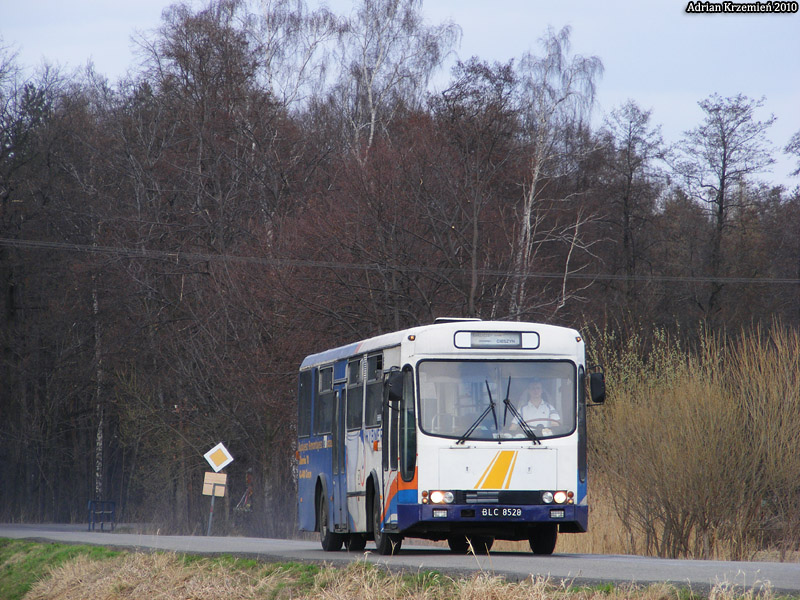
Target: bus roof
[[445, 328]]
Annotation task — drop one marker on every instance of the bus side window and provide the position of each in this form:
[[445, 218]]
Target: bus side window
[[323, 407], [355, 395], [323, 413], [355, 407], [374, 404]]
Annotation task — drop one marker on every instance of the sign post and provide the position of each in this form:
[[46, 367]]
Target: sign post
[[216, 483]]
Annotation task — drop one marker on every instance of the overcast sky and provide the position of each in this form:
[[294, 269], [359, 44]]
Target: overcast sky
[[653, 51]]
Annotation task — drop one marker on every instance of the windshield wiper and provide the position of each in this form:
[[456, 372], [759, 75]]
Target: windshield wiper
[[474, 426], [526, 429]]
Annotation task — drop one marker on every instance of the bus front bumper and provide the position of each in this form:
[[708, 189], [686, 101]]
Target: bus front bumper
[[510, 522]]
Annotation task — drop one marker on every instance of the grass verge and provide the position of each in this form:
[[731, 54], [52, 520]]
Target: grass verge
[[23, 563], [43, 571]]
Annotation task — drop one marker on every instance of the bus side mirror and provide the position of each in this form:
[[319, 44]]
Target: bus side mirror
[[597, 386], [393, 386]]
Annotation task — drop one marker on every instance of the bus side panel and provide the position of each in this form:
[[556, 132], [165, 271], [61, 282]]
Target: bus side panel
[[306, 475], [356, 481], [305, 488], [315, 464], [397, 494]]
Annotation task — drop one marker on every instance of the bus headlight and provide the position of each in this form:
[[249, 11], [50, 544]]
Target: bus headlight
[[439, 497], [559, 497]]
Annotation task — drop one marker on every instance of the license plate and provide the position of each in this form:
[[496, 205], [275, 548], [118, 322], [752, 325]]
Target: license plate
[[501, 512]]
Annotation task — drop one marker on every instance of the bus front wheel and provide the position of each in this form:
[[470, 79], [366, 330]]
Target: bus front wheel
[[385, 543], [543, 538], [331, 542]]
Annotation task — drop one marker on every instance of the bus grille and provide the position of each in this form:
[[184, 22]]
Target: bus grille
[[519, 497]]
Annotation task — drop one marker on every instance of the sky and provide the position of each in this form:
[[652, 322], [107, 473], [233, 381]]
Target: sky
[[653, 51]]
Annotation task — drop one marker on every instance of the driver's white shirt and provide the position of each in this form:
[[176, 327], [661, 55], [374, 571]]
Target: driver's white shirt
[[543, 411]]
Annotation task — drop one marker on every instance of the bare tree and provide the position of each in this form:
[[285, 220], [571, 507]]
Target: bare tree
[[294, 46], [556, 95], [387, 56], [478, 122], [717, 158], [793, 148], [211, 157], [633, 183]]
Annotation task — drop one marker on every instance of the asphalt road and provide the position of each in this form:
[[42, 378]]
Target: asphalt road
[[699, 575]]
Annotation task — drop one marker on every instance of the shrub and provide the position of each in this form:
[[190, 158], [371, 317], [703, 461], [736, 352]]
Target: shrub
[[699, 446]]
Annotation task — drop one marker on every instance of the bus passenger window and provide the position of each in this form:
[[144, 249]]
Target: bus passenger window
[[355, 394], [323, 413], [355, 407], [323, 407], [374, 404]]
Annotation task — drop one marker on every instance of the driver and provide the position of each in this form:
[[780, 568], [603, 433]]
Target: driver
[[537, 410]]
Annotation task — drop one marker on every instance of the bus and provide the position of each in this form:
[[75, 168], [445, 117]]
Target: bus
[[462, 430]]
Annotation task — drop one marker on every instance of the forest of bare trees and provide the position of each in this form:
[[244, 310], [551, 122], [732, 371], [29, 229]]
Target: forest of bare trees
[[272, 180]]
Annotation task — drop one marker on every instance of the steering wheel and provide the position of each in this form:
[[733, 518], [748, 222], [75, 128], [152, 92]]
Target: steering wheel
[[538, 425], [542, 426], [529, 421]]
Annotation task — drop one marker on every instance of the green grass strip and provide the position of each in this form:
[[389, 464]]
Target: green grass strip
[[23, 563]]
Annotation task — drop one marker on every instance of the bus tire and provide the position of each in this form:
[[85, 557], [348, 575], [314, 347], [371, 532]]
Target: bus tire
[[331, 542], [355, 542], [385, 543], [480, 544], [543, 538], [458, 544]]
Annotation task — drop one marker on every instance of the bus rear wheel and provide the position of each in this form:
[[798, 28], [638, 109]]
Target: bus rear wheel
[[543, 538], [331, 542], [385, 543]]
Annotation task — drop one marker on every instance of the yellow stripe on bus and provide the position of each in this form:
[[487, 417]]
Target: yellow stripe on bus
[[486, 472], [498, 473]]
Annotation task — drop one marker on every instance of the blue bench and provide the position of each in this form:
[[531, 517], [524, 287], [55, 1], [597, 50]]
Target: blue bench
[[102, 512]]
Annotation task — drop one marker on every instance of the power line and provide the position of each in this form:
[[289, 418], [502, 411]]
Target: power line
[[176, 257]]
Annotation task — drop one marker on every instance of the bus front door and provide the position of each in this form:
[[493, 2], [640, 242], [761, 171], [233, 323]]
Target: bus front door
[[390, 460], [339, 464]]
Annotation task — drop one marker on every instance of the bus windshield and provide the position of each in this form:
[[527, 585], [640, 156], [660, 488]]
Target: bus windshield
[[488, 400]]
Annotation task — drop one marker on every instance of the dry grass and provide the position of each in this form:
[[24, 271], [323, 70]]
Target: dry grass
[[699, 446], [172, 577], [153, 576], [606, 535]]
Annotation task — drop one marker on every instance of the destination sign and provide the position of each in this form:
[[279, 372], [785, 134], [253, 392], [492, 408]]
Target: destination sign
[[527, 340]]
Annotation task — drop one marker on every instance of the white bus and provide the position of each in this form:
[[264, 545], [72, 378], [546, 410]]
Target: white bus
[[463, 430]]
